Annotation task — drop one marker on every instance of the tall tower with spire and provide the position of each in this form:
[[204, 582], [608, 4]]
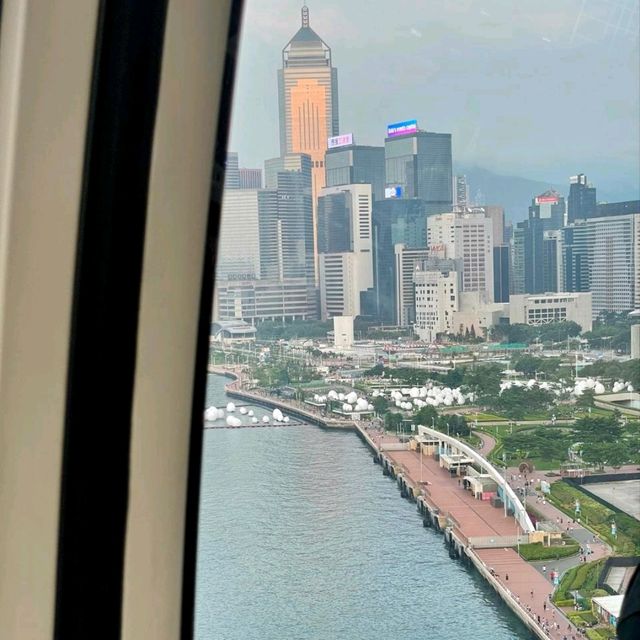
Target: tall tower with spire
[[308, 100]]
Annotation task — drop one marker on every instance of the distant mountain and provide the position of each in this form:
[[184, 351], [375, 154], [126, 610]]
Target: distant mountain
[[511, 192]]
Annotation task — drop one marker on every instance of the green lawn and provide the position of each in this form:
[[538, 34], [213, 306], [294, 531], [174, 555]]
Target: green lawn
[[599, 518], [582, 578], [485, 417]]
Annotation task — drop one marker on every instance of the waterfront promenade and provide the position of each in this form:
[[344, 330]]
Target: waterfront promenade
[[514, 577], [523, 586]]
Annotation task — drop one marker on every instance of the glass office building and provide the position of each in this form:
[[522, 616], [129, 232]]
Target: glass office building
[[356, 164], [395, 221], [419, 164]]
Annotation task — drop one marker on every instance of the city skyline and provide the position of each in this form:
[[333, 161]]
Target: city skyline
[[489, 98]]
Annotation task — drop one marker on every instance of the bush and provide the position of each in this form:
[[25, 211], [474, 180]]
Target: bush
[[565, 603], [581, 578], [537, 551]]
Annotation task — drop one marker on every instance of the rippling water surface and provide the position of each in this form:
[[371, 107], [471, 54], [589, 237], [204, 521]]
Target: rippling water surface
[[301, 537]]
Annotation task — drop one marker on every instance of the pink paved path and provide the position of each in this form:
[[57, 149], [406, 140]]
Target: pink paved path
[[479, 518]]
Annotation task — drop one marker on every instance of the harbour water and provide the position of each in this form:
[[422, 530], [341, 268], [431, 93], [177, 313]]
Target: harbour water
[[301, 537]]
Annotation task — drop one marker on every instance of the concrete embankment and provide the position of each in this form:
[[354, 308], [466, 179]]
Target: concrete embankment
[[234, 390], [433, 515]]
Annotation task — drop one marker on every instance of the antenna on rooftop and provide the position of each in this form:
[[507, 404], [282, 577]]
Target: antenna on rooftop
[[305, 16]]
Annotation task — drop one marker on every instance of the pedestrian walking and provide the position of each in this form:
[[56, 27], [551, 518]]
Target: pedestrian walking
[[532, 593], [544, 569], [506, 577]]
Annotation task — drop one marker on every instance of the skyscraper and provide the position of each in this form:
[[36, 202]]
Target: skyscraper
[[231, 172], [344, 243], [290, 176], [406, 263], [516, 273], [247, 233], [356, 164], [605, 209], [549, 208], [582, 199], [501, 273], [308, 98], [602, 255], [250, 178], [265, 258], [419, 164], [395, 221], [467, 237], [528, 257]]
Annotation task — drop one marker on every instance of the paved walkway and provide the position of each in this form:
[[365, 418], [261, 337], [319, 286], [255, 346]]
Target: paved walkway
[[479, 518], [488, 443]]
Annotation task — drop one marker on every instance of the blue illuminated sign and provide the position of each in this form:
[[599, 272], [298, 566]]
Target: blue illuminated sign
[[402, 128]]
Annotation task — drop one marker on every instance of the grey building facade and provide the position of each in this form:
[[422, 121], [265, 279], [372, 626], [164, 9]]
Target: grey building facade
[[582, 199], [420, 165], [356, 164], [395, 221]]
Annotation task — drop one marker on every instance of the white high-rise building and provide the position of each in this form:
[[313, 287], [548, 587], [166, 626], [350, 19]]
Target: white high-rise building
[[344, 245], [406, 261], [339, 285], [437, 297], [467, 237]]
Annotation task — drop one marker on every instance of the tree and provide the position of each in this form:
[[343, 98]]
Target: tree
[[380, 405], [600, 454], [586, 399], [530, 365], [455, 424], [392, 421], [484, 381], [454, 377], [597, 430], [425, 416], [517, 401], [618, 454]]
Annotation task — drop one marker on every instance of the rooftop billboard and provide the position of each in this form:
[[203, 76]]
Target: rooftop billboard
[[402, 128], [340, 141]]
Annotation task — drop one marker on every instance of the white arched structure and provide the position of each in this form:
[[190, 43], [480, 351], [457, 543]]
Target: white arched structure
[[511, 500]]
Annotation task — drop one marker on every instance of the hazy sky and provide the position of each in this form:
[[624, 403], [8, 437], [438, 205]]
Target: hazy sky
[[536, 88]]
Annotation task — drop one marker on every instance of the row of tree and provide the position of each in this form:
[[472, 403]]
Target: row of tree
[[599, 441], [454, 424]]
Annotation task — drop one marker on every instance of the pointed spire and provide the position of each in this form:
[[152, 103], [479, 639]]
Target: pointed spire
[[305, 16]]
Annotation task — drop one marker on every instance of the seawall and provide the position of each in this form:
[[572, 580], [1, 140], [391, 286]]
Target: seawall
[[431, 513]]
